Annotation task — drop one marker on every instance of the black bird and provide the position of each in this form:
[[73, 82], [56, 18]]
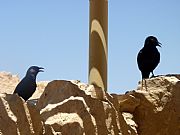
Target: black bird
[[27, 86], [148, 57]]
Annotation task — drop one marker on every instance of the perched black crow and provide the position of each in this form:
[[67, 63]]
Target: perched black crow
[[148, 57], [27, 86]]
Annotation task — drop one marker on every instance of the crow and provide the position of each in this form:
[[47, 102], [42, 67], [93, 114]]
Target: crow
[[27, 85], [148, 57]]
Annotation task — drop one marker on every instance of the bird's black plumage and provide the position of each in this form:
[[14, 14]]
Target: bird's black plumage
[[148, 57], [27, 86]]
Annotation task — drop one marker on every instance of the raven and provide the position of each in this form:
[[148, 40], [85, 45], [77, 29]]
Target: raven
[[148, 57], [27, 86]]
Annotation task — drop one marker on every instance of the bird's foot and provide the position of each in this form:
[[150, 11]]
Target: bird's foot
[[152, 76]]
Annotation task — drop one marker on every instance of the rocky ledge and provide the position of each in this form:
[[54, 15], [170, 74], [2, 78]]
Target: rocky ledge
[[75, 108]]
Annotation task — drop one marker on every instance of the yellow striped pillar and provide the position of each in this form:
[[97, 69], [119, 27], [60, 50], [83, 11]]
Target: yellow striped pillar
[[98, 39]]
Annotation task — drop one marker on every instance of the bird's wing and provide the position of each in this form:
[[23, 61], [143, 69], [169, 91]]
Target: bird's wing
[[140, 59], [148, 60], [156, 59], [25, 86]]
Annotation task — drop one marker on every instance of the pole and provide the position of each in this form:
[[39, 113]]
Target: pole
[[98, 39]]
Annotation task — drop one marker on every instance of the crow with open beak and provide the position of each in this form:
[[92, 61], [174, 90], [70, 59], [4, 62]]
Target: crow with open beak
[[148, 57], [27, 85]]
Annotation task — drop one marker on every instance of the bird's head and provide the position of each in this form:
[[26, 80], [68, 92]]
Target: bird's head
[[34, 70], [152, 41]]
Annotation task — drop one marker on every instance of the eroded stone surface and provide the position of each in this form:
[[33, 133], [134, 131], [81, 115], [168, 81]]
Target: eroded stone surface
[[18, 117], [91, 113], [75, 108]]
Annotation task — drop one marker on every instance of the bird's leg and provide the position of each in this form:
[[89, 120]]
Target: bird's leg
[[142, 84], [145, 85]]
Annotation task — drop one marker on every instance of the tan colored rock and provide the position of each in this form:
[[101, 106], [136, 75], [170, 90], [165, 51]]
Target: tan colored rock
[[128, 103], [8, 82], [159, 111], [18, 117], [125, 127], [94, 92], [129, 120], [74, 108]]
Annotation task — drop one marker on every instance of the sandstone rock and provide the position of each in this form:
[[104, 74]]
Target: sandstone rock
[[18, 117], [94, 92], [75, 108], [128, 103], [63, 98], [8, 82], [129, 120], [159, 109]]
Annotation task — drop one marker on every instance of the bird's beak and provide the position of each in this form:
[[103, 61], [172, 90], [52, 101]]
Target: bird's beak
[[159, 44], [40, 69]]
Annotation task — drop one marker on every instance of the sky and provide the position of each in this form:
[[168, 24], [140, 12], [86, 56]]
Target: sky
[[54, 34]]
